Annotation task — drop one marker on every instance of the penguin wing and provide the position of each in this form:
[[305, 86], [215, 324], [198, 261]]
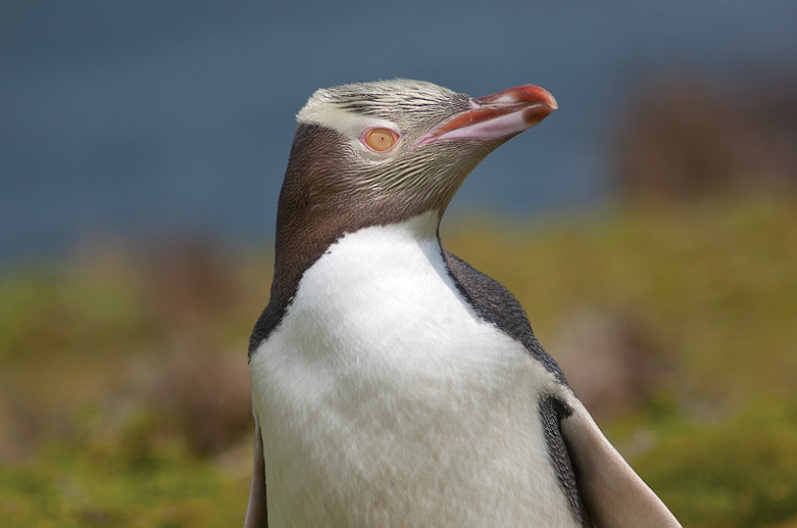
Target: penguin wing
[[256, 515], [613, 493]]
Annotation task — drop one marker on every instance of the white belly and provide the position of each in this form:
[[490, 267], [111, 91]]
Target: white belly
[[384, 400]]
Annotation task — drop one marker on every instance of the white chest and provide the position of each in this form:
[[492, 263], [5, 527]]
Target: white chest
[[384, 400]]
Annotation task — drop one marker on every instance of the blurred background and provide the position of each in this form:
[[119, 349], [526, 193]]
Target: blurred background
[[649, 227]]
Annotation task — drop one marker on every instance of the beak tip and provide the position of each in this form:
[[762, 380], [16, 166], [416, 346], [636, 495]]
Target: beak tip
[[541, 95]]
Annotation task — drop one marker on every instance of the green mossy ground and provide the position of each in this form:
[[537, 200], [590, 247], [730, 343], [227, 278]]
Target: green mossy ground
[[94, 432]]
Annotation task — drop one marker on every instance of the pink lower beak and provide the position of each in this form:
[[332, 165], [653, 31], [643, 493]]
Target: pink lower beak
[[498, 116]]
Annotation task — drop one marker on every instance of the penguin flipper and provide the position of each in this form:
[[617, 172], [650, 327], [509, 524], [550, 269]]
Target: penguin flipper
[[256, 514], [613, 493]]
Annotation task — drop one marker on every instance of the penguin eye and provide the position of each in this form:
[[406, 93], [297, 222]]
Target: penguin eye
[[380, 139]]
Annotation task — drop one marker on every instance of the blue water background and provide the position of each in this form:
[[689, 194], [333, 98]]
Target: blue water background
[[149, 118]]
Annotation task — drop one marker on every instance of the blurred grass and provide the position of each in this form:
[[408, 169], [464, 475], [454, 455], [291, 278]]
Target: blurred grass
[[119, 485], [113, 365]]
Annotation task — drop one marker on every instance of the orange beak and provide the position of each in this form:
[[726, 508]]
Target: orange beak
[[498, 116]]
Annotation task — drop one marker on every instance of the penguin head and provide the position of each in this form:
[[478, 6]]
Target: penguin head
[[394, 149]]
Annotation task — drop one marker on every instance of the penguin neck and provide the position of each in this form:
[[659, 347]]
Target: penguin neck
[[312, 241], [302, 239]]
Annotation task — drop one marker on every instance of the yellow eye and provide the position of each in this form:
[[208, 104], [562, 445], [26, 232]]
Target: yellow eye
[[380, 139]]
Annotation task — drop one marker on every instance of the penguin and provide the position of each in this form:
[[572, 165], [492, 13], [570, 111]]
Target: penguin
[[392, 383]]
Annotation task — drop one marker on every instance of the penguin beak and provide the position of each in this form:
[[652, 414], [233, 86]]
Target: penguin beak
[[497, 116]]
